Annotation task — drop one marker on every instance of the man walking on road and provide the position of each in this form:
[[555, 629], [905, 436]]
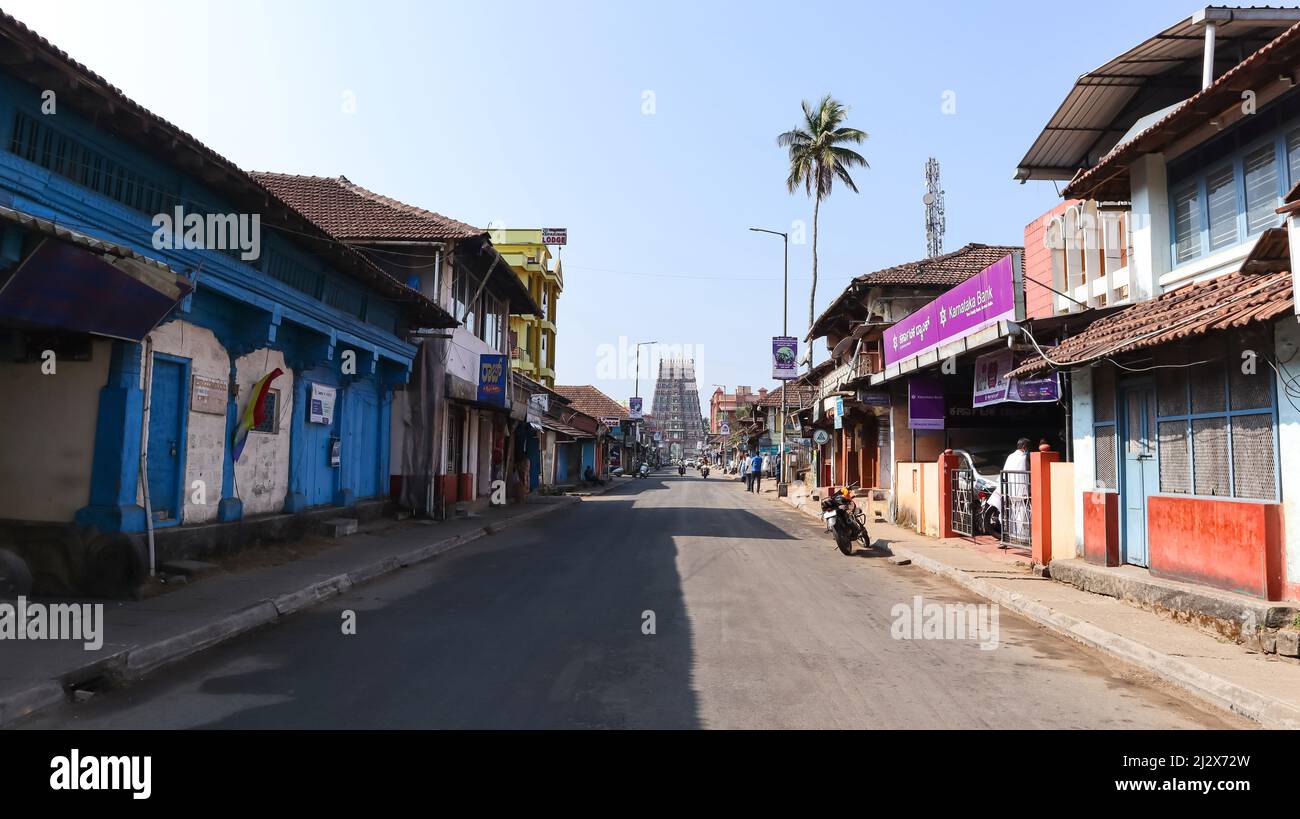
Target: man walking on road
[[756, 470]]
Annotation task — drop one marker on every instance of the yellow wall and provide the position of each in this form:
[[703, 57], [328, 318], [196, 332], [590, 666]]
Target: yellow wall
[[1063, 538]]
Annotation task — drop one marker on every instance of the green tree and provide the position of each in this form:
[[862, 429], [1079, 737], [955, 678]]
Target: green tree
[[818, 155]]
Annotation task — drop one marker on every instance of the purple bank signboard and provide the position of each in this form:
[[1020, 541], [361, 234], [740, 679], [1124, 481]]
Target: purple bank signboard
[[925, 402], [979, 302]]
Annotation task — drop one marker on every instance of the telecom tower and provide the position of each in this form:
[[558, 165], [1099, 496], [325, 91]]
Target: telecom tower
[[934, 218]]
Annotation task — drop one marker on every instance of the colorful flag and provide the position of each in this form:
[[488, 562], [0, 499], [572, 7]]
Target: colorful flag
[[254, 411]]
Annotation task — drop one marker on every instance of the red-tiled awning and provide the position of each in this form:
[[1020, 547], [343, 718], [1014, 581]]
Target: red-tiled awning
[[1260, 291]]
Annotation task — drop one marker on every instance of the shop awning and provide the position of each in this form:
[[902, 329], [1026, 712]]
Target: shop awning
[[1260, 291], [76, 282], [564, 429]]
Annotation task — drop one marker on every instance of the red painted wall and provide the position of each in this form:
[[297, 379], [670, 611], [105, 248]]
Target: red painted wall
[[1231, 545], [1101, 528], [1038, 264]]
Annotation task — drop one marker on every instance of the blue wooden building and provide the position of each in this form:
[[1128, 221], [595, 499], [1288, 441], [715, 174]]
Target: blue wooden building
[[146, 285]]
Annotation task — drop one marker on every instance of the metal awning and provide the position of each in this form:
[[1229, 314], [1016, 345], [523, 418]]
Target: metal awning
[[1104, 104], [79, 283]]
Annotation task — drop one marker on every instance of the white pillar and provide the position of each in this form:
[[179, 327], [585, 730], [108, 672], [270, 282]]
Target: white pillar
[[1150, 220]]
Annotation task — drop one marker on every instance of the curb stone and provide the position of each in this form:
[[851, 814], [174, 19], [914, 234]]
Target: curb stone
[[1265, 710], [140, 661]]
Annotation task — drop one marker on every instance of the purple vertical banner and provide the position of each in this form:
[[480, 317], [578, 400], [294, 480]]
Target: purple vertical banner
[[982, 300], [925, 402], [785, 352]]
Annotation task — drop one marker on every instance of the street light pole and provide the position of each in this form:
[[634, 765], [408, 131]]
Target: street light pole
[[782, 485], [637, 387]]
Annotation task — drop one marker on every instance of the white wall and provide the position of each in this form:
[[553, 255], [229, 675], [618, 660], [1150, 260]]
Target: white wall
[[1287, 339], [205, 441], [1085, 450], [262, 471], [47, 435]]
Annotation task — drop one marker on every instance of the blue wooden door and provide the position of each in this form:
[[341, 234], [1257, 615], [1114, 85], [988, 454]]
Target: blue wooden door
[[166, 451], [1141, 477], [320, 479], [361, 440]]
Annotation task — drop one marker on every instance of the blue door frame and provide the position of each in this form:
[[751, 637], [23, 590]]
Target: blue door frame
[[1139, 465], [168, 430]]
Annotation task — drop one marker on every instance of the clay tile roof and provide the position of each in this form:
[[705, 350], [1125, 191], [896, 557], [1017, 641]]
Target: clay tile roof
[[1260, 291], [348, 211], [798, 396], [590, 401], [1108, 179], [946, 270]]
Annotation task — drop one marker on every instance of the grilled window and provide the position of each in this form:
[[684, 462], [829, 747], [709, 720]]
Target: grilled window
[[1261, 190], [1187, 225], [1217, 420], [1221, 205]]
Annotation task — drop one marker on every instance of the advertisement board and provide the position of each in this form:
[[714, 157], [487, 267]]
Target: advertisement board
[[979, 302]]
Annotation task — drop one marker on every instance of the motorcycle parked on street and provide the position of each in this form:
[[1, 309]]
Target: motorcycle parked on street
[[843, 517]]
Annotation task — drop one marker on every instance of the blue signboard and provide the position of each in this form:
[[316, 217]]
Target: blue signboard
[[492, 379]]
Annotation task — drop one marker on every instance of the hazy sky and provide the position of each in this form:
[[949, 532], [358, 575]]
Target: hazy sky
[[647, 129]]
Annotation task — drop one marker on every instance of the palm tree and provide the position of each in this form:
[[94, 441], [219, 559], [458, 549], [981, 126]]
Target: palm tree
[[817, 156]]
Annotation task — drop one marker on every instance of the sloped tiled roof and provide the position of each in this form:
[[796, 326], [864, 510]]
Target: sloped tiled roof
[[348, 211], [1260, 291], [799, 395], [946, 270], [590, 401]]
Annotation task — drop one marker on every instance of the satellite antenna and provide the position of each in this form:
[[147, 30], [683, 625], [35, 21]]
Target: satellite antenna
[[934, 216]]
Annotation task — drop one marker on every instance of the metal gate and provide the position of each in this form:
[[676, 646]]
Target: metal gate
[[963, 501], [1015, 512]]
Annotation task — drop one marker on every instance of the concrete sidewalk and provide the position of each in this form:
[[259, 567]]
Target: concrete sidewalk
[[143, 636], [1261, 687]]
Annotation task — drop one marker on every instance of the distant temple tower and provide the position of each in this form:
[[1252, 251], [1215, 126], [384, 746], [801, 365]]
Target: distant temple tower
[[677, 406]]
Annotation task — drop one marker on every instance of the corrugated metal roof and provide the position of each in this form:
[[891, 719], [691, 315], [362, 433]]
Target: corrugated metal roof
[[1165, 69], [1108, 179]]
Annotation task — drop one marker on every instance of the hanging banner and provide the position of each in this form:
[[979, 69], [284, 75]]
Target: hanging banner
[[839, 412], [982, 300], [634, 408], [991, 387], [785, 366], [925, 402]]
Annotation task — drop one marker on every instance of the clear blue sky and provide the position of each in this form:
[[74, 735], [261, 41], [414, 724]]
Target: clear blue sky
[[531, 114]]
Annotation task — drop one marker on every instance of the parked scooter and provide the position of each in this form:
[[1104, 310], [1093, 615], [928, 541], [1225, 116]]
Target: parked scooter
[[843, 517]]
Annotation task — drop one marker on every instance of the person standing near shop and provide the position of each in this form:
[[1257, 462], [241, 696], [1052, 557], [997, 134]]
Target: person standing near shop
[[756, 469]]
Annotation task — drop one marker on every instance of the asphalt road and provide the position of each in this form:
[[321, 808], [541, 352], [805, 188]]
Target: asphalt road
[[759, 622]]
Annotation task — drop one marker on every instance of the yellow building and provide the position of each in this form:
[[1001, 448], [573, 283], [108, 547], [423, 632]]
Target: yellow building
[[532, 337]]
